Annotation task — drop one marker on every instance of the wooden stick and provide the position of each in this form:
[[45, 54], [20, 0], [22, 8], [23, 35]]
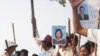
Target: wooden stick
[[14, 33], [79, 43], [35, 31], [6, 43], [69, 26]]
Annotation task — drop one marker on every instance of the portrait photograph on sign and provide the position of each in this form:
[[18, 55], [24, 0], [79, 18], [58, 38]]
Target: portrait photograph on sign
[[58, 35], [83, 12]]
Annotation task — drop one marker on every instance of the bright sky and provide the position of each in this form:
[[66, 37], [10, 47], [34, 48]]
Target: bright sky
[[47, 13]]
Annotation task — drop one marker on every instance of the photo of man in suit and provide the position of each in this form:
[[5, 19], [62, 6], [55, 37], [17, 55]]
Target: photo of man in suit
[[82, 15]]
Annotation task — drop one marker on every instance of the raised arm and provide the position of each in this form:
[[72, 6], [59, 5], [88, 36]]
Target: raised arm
[[77, 26]]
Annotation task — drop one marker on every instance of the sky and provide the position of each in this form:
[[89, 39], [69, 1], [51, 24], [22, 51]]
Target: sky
[[47, 14]]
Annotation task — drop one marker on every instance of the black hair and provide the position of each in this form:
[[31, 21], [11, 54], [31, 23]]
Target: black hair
[[18, 53], [24, 51], [48, 44], [68, 39], [57, 31], [87, 48], [34, 55], [53, 46], [74, 37], [90, 43], [81, 7]]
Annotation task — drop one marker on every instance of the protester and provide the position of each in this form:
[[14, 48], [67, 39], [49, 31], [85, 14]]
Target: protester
[[74, 43], [92, 46], [85, 50], [24, 52], [65, 50], [45, 46], [17, 53], [91, 34], [10, 49], [34, 55]]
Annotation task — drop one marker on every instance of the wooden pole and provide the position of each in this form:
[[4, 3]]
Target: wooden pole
[[14, 33], [69, 26], [6, 42], [35, 31], [79, 43]]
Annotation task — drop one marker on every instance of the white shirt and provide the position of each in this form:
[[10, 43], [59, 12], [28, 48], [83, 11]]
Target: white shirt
[[67, 52], [46, 53], [42, 52], [94, 35]]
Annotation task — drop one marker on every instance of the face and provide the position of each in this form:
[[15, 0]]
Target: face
[[11, 49], [82, 10], [84, 52], [43, 45], [58, 34], [22, 54], [73, 42], [6, 54]]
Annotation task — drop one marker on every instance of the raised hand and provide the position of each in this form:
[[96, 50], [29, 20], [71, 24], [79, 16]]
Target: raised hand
[[75, 3]]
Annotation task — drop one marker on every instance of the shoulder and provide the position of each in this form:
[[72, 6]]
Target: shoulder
[[85, 15], [93, 35]]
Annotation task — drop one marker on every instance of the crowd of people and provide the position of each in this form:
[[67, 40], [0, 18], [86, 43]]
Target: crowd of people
[[48, 49], [71, 48]]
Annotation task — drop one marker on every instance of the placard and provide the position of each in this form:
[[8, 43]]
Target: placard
[[88, 15], [59, 35]]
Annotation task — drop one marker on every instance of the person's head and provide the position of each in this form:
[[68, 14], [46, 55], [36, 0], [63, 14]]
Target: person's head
[[91, 45], [68, 40], [74, 40], [58, 34], [81, 8], [34, 55], [85, 50], [24, 52], [11, 47], [47, 42], [17, 53]]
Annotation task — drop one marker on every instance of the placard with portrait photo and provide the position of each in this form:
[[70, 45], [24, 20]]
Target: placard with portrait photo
[[58, 35]]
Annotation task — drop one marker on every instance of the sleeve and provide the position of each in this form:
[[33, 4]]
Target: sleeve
[[56, 51], [37, 41], [92, 35]]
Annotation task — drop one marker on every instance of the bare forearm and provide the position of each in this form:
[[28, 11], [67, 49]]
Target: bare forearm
[[76, 21], [77, 26]]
